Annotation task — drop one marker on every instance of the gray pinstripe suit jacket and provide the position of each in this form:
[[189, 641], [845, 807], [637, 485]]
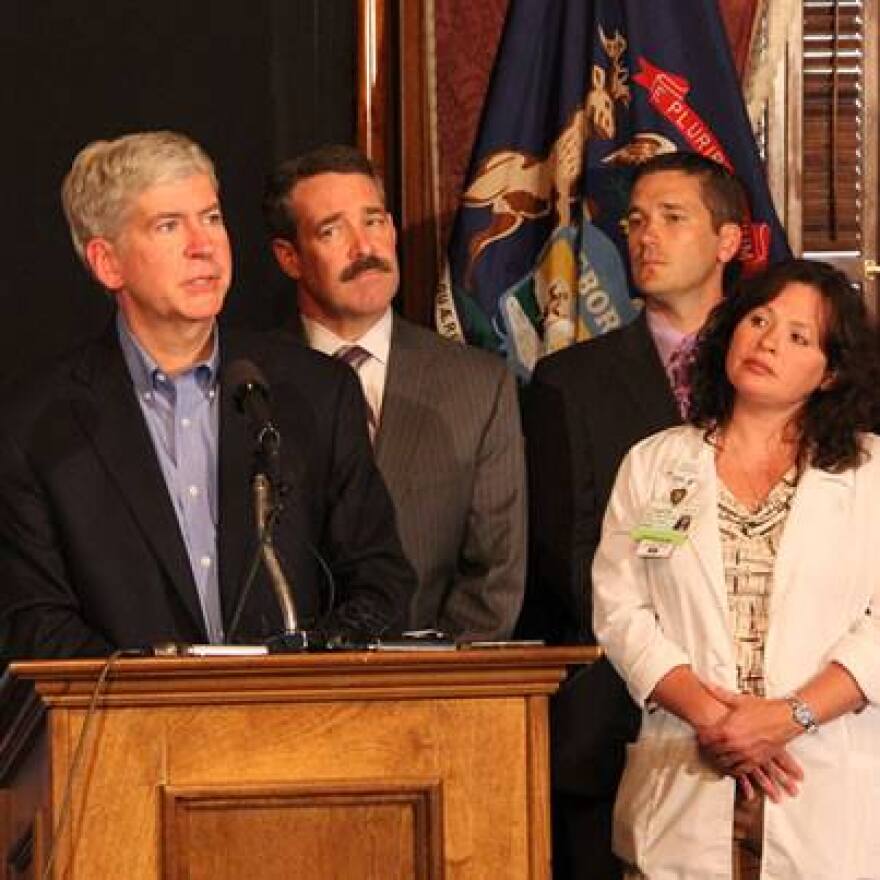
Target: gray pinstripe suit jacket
[[450, 449]]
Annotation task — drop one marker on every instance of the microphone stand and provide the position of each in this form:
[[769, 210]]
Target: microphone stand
[[267, 506]]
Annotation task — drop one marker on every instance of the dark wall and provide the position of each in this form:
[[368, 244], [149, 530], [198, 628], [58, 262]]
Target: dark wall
[[252, 81]]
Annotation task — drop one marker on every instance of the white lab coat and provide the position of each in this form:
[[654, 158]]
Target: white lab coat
[[674, 815]]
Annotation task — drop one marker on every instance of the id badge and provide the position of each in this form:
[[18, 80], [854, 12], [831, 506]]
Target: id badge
[[654, 549], [667, 521]]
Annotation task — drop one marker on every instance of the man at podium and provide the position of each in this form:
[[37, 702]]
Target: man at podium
[[126, 506]]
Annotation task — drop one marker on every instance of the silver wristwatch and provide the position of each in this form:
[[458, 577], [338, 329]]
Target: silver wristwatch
[[802, 714]]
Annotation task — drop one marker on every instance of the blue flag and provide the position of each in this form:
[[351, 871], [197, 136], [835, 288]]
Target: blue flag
[[582, 92]]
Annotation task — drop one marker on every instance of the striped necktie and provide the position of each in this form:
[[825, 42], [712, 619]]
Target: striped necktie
[[356, 356], [680, 363]]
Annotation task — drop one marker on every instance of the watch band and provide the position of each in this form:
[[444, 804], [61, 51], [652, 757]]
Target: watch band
[[802, 714]]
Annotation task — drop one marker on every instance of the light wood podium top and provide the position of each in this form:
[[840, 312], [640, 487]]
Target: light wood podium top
[[293, 677]]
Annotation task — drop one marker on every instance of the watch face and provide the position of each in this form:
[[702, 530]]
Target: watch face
[[803, 715]]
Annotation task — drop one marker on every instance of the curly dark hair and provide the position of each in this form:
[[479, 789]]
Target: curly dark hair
[[830, 421]]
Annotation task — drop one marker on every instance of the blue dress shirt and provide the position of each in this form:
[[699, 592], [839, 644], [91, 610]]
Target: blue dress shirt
[[182, 415]]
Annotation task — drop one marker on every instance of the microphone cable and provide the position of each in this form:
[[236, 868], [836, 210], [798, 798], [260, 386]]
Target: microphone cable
[[79, 754], [254, 567]]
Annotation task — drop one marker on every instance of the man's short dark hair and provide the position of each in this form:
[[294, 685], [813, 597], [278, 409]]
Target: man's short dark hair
[[328, 159], [722, 191]]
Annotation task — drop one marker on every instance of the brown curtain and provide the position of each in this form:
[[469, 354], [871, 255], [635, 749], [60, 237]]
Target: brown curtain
[[739, 20], [468, 34]]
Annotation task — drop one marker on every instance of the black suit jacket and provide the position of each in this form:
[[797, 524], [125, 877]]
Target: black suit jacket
[[91, 556], [586, 406]]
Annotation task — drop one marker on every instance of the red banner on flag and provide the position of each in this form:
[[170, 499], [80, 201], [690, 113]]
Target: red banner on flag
[[666, 94]]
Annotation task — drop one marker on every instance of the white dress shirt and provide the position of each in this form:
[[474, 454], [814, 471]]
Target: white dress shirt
[[376, 341]]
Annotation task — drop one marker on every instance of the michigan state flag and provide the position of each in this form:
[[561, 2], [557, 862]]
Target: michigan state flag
[[582, 92]]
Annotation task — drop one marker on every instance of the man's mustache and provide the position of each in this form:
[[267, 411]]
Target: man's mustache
[[365, 264]]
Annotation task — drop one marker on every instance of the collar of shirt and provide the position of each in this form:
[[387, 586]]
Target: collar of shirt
[[149, 378], [377, 341], [666, 337]]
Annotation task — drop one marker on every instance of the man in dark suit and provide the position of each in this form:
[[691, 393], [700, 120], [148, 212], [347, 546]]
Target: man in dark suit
[[586, 406], [444, 417], [125, 512]]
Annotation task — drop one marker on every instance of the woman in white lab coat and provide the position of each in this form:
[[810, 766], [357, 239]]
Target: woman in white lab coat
[[737, 591]]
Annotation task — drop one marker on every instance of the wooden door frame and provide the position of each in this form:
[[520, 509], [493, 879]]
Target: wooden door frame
[[394, 128]]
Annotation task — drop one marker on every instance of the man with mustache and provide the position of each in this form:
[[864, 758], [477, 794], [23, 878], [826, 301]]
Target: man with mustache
[[443, 417], [125, 509], [586, 406]]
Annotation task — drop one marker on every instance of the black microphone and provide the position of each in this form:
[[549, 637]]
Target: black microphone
[[250, 392]]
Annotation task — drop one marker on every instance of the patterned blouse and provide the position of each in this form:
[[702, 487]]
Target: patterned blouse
[[749, 544]]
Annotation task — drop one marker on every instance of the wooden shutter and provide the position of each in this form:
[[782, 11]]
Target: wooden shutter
[[834, 135]]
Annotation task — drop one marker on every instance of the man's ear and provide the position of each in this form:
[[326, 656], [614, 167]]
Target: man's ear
[[100, 254], [393, 229], [730, 239], [287, 256]]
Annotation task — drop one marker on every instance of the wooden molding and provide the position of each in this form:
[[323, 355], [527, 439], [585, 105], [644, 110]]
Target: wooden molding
[[540, 856], [372, 85], [394, 130], [871, 216], [296, 678], [20, 858], [391, 829], [21, 717], [794, 136]]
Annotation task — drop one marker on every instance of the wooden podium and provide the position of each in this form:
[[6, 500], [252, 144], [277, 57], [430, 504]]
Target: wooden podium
[[361, 766]]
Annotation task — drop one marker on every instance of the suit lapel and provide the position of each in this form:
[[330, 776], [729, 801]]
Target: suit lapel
[[648, 388], [111, 416], [705, 537], [700, 558], [406, 377]]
